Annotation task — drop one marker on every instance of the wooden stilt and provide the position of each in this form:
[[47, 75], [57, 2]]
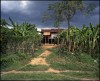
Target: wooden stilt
[[45, 40], [51, 41], [48, 40]]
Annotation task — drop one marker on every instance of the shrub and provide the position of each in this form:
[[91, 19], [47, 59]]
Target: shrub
[[21, 56], [10, 59]]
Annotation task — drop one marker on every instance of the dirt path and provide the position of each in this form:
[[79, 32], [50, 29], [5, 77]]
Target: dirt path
[[41, 60], [48, 46], [50, 70]]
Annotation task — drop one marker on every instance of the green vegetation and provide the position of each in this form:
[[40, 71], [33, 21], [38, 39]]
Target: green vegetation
[[80, 74], [18, 44], [48, 76], [85, 40], [34, 68], [82, 40], [65, 11], [22, 38], [35, 76], [38, 51], [14, 61], [79, 61]]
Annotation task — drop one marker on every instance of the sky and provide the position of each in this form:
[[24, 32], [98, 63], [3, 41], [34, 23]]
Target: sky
[[32, 12]]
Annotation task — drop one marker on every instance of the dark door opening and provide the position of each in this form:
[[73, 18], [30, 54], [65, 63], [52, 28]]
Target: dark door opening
[[48, 40]]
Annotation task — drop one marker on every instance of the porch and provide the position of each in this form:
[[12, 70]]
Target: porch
[[47, 40]]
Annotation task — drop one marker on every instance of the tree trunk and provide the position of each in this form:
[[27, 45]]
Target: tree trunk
[[59, 48], [73, 47], [69, 43], [89, 44], [58, 36], [33, 49]]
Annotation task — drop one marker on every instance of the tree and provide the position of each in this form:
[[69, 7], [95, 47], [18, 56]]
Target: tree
[[65, 10], [4, 35], [55, 15]]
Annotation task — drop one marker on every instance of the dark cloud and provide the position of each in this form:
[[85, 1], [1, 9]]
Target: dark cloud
[[35, 10]]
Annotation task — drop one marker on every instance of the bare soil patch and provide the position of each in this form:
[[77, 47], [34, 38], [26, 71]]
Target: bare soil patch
[[45, 54], [38, 61], [53, 70], [48, 46]]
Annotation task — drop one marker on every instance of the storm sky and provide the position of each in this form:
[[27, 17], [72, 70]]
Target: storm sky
[[32, 12]]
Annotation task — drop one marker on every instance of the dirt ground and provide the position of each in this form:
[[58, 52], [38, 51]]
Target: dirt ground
[[46, 46], [41, 59]]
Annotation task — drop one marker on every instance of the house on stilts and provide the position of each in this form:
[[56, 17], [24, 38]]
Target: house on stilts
[[49, 35]]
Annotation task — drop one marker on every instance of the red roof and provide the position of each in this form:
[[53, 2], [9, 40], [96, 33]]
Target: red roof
[[51, 30]]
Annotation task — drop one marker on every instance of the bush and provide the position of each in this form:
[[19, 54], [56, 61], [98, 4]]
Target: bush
[[21, 56], [8, 60], [11, 59]]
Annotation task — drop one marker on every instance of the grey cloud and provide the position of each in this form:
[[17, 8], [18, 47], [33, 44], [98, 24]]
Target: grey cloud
[[37, 8]]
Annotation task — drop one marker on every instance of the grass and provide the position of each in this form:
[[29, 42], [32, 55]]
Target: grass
[[38, 51], [81, 74], [35, 76], [48, 76], [72, 66], [14, 61], [15, 66], [34, 68], [17, 60], [81, 62]]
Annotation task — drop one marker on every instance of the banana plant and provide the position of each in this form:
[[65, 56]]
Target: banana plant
[[94, 35], [15, 27], [23, 29], [74, 33]]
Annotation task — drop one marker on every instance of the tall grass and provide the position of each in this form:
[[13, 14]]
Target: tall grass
[[72, 61], [13, 60]]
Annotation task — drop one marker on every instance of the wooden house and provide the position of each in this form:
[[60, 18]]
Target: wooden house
[[49, 35]]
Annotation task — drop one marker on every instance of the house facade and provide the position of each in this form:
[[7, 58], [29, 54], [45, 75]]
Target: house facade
[[49, 35]]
